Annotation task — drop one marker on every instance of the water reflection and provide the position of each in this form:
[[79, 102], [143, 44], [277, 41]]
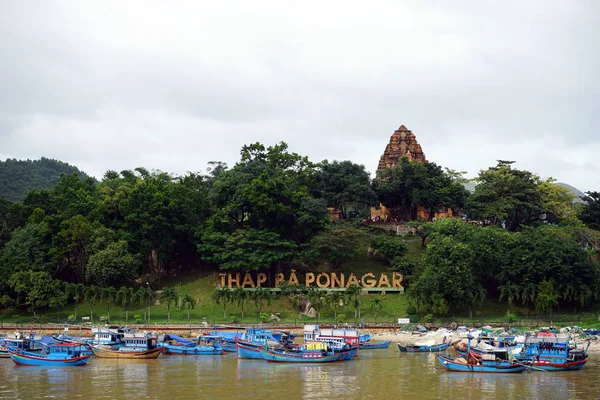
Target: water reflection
[[381, 374]]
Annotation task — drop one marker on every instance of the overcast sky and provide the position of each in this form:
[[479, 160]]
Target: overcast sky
[[171, 85]]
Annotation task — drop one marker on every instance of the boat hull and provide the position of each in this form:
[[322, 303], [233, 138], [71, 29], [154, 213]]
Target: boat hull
[[248, 351], [193, 350], [286, 358], [377, 345], [566, 366], [423, 349], [497, 367], [137, 355], [25, 359]]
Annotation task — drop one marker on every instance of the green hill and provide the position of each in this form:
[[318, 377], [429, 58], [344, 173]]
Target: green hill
[[17, 177]]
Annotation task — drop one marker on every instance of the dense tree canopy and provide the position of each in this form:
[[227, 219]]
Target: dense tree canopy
[[79, 239], [410, 185]]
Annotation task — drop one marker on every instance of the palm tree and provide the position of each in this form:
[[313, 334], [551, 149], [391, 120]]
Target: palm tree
[[528, 295], [259, 296], [511, 291], [92, 293], [316, 299], [126, 296], [189, 303], [77, 291], [223, 296], [144, 297], [353, 293], [297, 301], [376, 304], [169, 295], [241, 296], [109, 295], [334, 299]]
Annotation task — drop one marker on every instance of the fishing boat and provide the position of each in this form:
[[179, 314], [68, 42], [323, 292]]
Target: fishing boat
[[247, 349], [372, 345], [554, 354], [254, 339], [59, 355], [423, 348], [308, 353], [136, 346], [204, 345], [460, 364]]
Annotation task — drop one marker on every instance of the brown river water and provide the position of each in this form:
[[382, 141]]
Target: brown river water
[[377, 374]]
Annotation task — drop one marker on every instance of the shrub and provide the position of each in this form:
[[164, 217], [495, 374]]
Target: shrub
[[137, 318], [428, 318], [341, 317], [511, 318], [411, 310], [71, 318]]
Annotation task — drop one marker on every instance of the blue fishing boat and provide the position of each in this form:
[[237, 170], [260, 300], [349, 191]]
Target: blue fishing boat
[[554, 354], [250, 350], [308, 353], [204, 345], [59, 355], [486, 366], [254, 339], [415, 348], [371, 345]]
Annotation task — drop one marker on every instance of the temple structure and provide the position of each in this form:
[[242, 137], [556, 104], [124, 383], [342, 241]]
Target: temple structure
[[403, 143]]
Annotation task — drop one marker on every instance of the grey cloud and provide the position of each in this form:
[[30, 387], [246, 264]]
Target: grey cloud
[[119, 85]]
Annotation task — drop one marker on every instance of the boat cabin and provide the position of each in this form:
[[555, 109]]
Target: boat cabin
[[65, 350], [340, 336], [140, 341]]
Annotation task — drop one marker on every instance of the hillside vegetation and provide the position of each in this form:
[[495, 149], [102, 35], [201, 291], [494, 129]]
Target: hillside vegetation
[[136, 238], [18, 177]]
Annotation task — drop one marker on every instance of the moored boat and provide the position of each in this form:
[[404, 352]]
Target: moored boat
[[554, 354], [204, 345], [308, 353], [425, 348], [59, 355], [372, 345], [136, 346], [485, 366]]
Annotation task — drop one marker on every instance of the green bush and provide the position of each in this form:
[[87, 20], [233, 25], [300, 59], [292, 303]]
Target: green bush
[[511, 318], [588, 317], [411, 310], [341, 317], [137, 318], [428, 318]]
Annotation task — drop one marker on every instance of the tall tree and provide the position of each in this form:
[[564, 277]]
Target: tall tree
[[240, 295], [353, 292], [317, 300], [345, 186], [506, 196], [590, 212], [376, 305], [169, 295], [144, 296], [126, 297], [223, 296], [77, 293], [335, 300], [260, 296], [189, 303], [109, 295], [92, 294]]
